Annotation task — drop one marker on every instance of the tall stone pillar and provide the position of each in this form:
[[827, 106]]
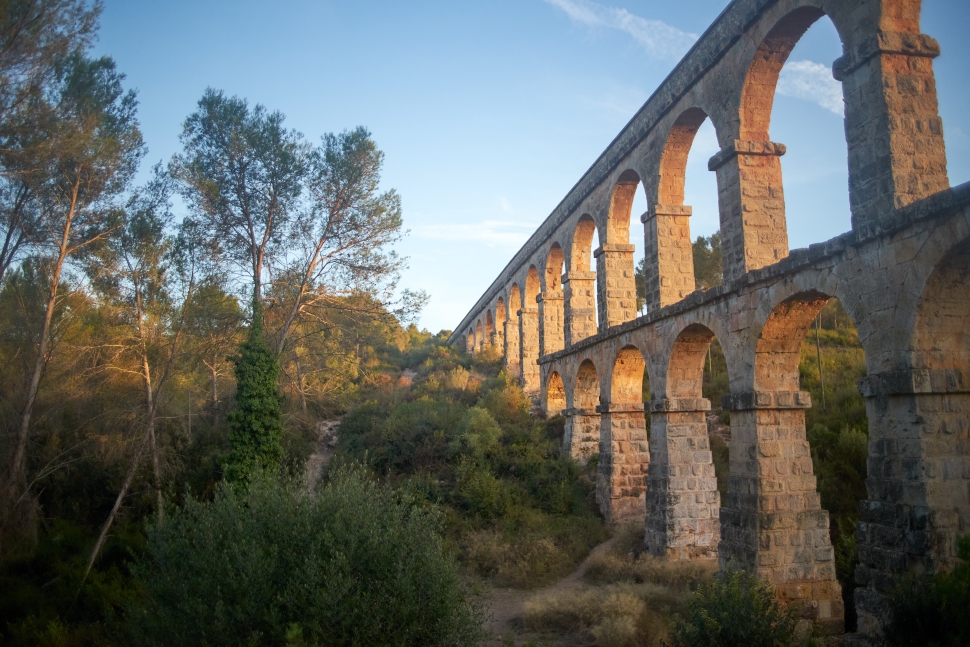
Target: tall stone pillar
[[579, 306], [582, 435], [616, 287], [512, 360], [529, 349], [683, 504], [669, 255], [751, 201], [918, 481], [772, 522], [551, 338], [892, 126], [624, 457]]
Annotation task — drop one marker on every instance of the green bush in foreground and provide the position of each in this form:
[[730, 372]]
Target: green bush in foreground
[[933, 611], [736, 608], [266, 564]]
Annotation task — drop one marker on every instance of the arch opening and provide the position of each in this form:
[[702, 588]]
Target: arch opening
[[629, 369], [531, 287], [554, 265], [790, 96], [500, 312], [582, 310], [621, 207], [489, 327], [587, 392], [555, 395], [615, 259]]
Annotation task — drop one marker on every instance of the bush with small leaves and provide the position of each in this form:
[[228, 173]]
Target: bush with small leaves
[[266, 563], [736, 608]]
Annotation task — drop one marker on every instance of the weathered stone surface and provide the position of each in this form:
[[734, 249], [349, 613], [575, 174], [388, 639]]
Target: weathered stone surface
[[902, 273]]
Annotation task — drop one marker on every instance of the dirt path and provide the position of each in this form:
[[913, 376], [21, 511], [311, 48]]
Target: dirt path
[[326, 446], [506, 604]]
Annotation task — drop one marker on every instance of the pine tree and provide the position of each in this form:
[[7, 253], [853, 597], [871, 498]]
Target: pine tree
[[256, 425]]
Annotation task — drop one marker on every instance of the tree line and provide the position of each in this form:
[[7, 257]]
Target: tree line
[[119, 316]]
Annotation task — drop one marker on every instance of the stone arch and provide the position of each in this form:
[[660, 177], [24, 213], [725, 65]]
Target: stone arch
[[758, 91], [919, 455], [555, 395], [489, 327], [586, 392], [683, 503], [532, 287], [551, 328], [616, 290], [501, 314], [529, 335], [685, 367], [512, 337], [621, 476], [579, 289], [770, 457], [582, 429], [552, 277], [941, 334], [581, 250], [673, 161], [779, 347], [626, 380], [621, 207], [479, 336]]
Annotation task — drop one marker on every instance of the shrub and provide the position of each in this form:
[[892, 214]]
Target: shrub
[[736, 608], [613, 616], [265, 563], [932, 611]]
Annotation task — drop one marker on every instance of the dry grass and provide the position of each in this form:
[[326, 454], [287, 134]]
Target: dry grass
[[628, 598]]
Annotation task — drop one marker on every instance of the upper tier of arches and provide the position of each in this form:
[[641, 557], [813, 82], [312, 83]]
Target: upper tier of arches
[[730, 78]]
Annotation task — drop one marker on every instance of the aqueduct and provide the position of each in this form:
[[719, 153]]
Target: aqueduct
[[575, 341]]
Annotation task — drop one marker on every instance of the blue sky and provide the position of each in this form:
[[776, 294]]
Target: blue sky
[[489, 111]]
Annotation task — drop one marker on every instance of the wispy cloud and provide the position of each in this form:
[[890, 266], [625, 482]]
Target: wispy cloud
[[800, 79], [493, 233], [660, 40], [813, 82]]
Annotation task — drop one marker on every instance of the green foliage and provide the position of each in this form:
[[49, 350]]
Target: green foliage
[[932, 611], [460, 436], [256, 425], [736, 608], [42, 597], [266, 563], [707, 267], [707, 261]]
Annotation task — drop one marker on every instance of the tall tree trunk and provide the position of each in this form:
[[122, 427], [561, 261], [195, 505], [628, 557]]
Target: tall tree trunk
[[129, 477], [215, 385], [17, 480], [299, 382]]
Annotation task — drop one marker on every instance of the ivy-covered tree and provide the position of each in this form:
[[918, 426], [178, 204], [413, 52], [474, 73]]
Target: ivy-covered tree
[[256, 425]]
